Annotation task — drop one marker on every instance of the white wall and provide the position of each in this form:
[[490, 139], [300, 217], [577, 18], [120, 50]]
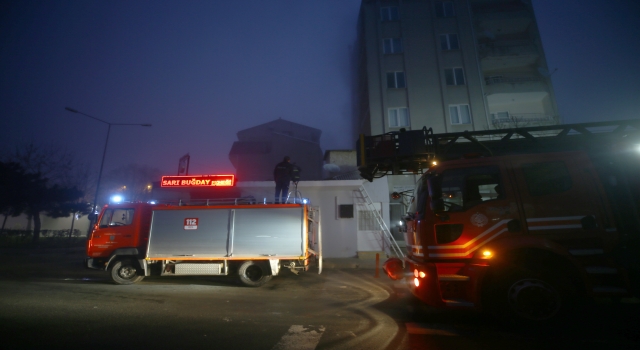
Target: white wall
[[22, 223], [339, 234]]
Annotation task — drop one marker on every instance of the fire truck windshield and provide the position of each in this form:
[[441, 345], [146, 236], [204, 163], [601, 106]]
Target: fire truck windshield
[[463, 188]]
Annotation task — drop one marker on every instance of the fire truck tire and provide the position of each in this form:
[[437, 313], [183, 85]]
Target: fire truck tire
[[124, 272], [253, 274], [527, 296]]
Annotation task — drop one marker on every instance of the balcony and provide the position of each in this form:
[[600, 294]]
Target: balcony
[[512, 84], [505, 54], [499, 23]]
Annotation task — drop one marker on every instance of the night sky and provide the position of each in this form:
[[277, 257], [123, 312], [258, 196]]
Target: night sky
[[200, 71]]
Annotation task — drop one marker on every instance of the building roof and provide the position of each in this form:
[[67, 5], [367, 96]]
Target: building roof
[[280, 127], [247, 147]]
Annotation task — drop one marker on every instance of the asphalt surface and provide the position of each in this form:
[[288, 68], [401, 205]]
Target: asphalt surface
[[48, 299]]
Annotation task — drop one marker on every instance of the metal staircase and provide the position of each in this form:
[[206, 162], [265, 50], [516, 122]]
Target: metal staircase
[[389, 244]]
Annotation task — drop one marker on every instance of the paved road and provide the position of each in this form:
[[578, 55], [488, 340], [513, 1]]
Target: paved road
[[49, 299]]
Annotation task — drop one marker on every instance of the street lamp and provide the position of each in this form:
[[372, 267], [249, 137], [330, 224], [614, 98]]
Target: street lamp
[[104, 153]]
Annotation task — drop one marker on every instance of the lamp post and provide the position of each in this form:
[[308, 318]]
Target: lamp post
[[104, 153]]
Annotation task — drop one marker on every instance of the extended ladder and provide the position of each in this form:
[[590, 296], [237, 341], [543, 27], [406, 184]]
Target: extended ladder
[[412, 151]]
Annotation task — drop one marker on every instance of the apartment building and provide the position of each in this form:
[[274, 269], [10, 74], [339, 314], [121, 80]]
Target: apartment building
[[450, 65]]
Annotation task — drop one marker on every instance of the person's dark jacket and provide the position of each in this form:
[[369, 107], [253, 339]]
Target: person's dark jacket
[[282, 172]]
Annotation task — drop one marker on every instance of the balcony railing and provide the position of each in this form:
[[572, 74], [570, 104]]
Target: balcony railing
[[510, 80], [508, 48], [524, 118]]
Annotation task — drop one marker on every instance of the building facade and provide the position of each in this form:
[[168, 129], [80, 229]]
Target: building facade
[[450, 65], [261, 147]]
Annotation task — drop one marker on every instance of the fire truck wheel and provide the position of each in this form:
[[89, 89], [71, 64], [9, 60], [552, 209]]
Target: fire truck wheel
[[528, 296], [253, 274], [124, 272]]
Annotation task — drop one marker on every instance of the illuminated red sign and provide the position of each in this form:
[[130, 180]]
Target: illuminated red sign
[[198, 181]]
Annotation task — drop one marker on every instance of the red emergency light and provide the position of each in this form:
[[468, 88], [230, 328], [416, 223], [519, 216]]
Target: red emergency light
[[198, 181]]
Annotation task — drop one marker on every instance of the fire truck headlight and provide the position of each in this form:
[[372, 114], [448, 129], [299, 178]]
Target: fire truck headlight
[[422, 274], [416, 273], [416, 282], [487, 254]]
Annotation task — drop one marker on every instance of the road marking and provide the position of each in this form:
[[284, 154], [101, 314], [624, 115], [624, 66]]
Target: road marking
[[300, 338], [81, 279]]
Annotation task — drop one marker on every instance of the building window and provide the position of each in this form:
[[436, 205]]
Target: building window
[[345, 211], [389, 13], [444, 9], [367, 221], [392, 45], [449, 42], [398, 117], [459, 114], [395, 80], [454, 76]]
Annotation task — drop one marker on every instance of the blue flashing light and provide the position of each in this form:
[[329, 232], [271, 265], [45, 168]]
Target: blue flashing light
[[116, 198]]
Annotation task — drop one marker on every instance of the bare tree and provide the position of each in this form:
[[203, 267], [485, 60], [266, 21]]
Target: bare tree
[[57, 182], [54, 163]]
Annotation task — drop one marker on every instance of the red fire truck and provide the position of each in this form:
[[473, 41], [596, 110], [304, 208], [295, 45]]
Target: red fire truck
[[520, 222], [206, 237]]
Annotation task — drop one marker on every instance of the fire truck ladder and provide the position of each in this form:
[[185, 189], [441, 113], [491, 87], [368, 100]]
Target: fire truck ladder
[[389, 243], [412, 151]]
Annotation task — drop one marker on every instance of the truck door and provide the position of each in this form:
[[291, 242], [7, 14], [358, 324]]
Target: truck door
[[560, 201], [116, 230], [478, 206]]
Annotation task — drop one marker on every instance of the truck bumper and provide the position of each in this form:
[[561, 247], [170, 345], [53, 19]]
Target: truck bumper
[[446, 284], [425, 287]]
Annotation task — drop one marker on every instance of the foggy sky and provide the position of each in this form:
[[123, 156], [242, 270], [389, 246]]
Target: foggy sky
[[200, 71]]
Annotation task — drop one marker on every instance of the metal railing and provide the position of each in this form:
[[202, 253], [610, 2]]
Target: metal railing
[[524, 118], [510, 80]]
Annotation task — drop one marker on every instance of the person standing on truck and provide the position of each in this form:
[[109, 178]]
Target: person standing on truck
[[282, 176]]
